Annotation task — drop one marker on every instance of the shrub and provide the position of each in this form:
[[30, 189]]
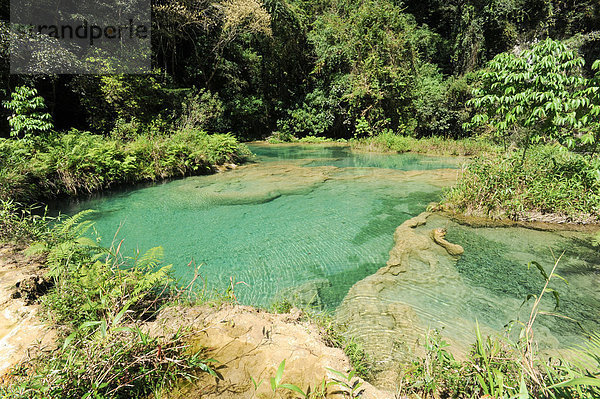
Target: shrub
[[124, 364], [202, 111], [80, 162], [28, 117], [314, 117], [278, 137], [550, 180], [532, 97]]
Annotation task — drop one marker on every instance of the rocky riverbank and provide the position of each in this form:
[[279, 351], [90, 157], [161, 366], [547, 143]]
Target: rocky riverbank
[[422, 287], [247, 343]]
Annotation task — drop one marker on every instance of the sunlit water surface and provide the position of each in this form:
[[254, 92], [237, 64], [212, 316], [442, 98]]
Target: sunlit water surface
[[315, 213]]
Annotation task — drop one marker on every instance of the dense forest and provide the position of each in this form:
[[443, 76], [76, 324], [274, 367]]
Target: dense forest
[[330, 68], [506, 73]]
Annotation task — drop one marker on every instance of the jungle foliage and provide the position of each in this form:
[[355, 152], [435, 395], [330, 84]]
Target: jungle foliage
[[379, 73], [332, 68], [80, 162], [548, 181], [535, 97]]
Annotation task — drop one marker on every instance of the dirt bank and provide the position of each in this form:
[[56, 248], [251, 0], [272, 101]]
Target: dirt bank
[[21, 284], [251, 344]]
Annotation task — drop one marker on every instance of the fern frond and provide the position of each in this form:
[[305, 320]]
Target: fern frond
[[69, 225], [87, 242], [151, 259], [36, 248]]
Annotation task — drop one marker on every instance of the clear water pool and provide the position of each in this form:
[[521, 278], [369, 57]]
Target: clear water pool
[[325, 216], [299, 214]]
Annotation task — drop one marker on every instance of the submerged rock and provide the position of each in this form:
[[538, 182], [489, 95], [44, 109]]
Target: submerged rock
[[437, 235], [305, 296], [377, 311], [251, 184]]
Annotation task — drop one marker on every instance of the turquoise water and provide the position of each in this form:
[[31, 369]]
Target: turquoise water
[[300, 214], [496, 265], [342, 157], [310, 221]]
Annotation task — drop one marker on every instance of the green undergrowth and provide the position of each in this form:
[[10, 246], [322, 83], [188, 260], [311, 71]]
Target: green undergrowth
[[549, 180], [279, 138], [22, 224], [97, 303], [495, 367], [80, 162], [395, 143], [336, 336]]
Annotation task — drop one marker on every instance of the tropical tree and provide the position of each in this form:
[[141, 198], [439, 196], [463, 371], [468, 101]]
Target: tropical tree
[[536, 95], [591, 119], [29, 117], [364, 70]]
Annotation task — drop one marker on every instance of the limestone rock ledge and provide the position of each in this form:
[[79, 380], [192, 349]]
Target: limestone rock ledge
[[379, 310], [249, 343], [21, 281]]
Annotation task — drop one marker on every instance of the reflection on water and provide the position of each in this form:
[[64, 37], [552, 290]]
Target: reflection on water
[[343, 157]]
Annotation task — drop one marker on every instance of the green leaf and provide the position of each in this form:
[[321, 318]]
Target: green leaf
[[560, 277], [256, 384], [482, 384], [539, 267], [279, 373], [587, 138], [294, 388], [581, 381], [339, 374], [480, 347], [556, 296], [523, 392], [68, 340]]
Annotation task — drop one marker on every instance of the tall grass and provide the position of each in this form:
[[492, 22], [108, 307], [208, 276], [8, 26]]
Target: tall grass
[[21, 223], [548, 181]]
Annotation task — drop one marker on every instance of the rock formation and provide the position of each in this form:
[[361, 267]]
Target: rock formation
[[437, 235], [380, 309], [251, 344], [21, 283]]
